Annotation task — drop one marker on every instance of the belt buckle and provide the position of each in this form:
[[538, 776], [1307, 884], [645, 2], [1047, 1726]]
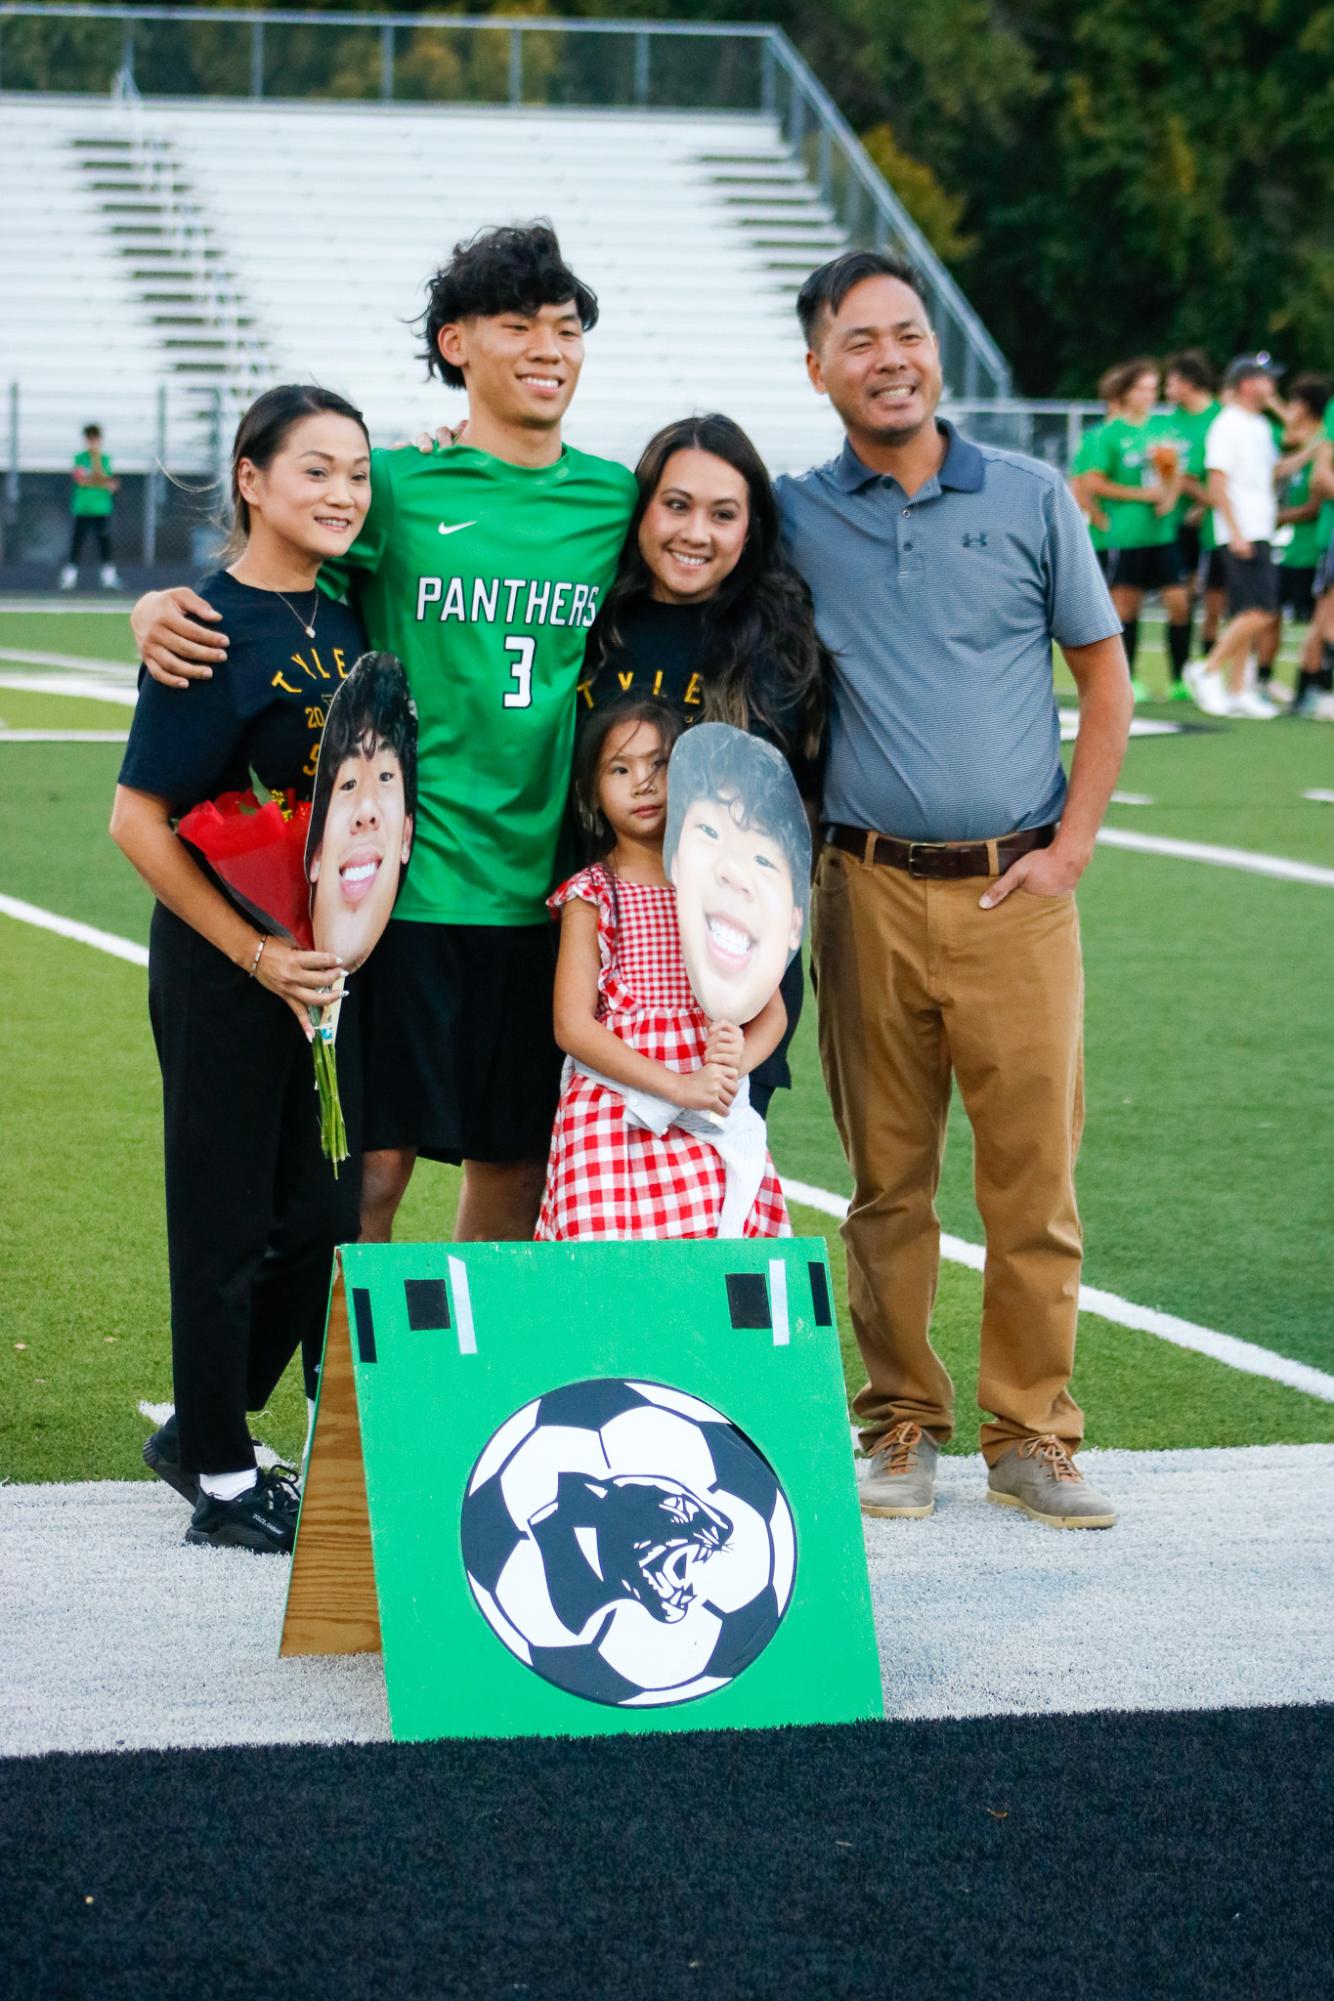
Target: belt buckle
[[916, 848]]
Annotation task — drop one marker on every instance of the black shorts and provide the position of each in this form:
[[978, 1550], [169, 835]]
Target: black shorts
[[1324, 575], [1252, 581], [460, 1057], [1296, 592], [1212, 573], [1101, 557], [1143, 569], [1188, 552]]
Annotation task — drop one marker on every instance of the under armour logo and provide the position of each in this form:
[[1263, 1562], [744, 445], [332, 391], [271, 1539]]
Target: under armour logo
[[974, 541]]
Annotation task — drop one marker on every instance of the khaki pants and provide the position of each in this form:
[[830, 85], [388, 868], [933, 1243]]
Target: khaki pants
[[918, 985]]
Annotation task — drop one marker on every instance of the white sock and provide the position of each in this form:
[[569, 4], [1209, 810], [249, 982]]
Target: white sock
[[228, 1486]]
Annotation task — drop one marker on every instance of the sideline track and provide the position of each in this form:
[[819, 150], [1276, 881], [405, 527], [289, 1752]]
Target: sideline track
[[1248, 1357], [1211, 1591]]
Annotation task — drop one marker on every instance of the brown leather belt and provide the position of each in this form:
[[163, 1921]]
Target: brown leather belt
[[939, 861]]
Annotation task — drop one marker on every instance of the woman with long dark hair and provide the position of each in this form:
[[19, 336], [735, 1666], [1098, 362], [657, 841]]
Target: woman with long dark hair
[[253, 1208], [707, 615]]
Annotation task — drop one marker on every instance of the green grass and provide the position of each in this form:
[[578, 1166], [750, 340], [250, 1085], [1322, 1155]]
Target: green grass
[[84, 1283], [94, 635], [1209, 1089]]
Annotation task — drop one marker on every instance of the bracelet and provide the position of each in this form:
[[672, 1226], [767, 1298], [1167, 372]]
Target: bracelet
[[259, 953]]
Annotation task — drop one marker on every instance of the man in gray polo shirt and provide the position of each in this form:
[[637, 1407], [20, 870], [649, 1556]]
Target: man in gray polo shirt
[[946, 942]]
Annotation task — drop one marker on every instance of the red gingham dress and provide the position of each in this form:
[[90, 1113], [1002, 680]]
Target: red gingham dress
[[606, 1178]]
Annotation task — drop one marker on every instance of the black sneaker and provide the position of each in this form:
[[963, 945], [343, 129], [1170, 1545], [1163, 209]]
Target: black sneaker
[[262, 1519], [162, 1452]]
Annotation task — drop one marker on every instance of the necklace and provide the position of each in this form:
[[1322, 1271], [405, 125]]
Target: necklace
[[309, 630]]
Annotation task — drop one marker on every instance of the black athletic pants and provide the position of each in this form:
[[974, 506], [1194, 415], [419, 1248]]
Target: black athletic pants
[[96, 525], [253, 1209]]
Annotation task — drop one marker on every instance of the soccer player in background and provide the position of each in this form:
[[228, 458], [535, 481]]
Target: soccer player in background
[[1188, 383], [1089, 505], [1295, 552], [1132, 472], [1241, 457], [482, 568], [1315, 690], [92, 504]]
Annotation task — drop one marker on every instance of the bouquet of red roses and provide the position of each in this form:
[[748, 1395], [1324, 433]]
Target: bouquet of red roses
[[256, 845]]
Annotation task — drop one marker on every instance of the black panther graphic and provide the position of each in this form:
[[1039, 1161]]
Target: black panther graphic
[[651, 1538]]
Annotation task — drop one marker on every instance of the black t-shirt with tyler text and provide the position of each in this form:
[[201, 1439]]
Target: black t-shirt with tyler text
[[264, 709]]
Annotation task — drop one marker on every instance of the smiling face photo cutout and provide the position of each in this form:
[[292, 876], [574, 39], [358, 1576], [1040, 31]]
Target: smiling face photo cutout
[[363, 811], [738, 850]]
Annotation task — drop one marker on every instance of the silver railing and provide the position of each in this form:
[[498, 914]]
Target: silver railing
[[527, 63]]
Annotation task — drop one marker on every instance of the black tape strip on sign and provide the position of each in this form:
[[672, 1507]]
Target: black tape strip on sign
[[819, 1277], [427, 1303], [748, 1299], [361, 1313]]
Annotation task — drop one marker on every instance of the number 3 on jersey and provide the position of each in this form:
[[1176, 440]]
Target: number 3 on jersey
[[520, 696]]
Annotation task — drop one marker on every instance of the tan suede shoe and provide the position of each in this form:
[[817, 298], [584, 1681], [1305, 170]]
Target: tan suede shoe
[[1039, 1476], [901, 1478]]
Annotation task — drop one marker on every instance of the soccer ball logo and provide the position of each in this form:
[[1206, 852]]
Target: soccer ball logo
[[628, 1543]]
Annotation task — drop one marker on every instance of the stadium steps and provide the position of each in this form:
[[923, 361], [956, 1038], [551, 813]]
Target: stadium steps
[[695, 230]]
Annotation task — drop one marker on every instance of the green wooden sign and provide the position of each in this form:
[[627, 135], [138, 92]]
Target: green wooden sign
[[574, 1489]]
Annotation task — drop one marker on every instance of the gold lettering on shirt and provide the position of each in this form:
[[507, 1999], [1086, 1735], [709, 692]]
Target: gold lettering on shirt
[[692, 696], [286, 686], [657, 682], [627, 681], [340, 663], [315, 718], [585, 689]]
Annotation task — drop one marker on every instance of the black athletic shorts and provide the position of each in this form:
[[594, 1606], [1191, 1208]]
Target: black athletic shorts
[[460, 1057], [1324, 575], [1252, 581], [1188, 552], [1212, 573], [1101, 557], [1143, 569], [1296, 592]]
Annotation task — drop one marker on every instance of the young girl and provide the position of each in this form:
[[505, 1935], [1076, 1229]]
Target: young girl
[[253, 1208], [627, 1019]]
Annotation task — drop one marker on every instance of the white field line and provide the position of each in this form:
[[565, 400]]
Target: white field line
[[63, 736], [24, 656], [1239, 858], [71, 601], [84, 686], [1320, 795], [69, 927], [1246, 1356]]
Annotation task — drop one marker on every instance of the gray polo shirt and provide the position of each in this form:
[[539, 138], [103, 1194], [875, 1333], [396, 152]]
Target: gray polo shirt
[[940, 611]]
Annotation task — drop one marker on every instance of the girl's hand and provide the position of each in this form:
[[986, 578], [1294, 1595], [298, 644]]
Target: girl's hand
[[710, 1089], [303, 979], [726, 1045]]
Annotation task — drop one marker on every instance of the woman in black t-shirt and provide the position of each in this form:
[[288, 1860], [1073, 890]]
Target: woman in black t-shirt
[[253, 1208], [707, 615]]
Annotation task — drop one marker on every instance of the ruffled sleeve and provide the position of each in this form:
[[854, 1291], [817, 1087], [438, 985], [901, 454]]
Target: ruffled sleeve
[[592, 885]]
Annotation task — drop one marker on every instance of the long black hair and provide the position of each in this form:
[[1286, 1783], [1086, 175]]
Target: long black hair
[[763, 662]]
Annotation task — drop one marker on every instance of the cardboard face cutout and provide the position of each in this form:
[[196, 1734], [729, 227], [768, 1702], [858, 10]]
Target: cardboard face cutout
[[363, 809], [738, 849]]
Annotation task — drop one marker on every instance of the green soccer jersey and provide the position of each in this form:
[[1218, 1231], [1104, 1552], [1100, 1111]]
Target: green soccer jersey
[[1324, 524], [1193, 426], [1301, 551], [484, 578], [1084, 462], [93, 502], [1123, 453]]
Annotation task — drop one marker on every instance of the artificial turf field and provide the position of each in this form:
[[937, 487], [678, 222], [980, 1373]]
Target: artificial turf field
[[1204, 1195]]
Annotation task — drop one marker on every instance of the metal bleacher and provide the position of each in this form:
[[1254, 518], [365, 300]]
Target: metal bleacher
[[166, 254]]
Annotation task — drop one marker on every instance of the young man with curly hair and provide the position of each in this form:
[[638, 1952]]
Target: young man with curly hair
[[481, 567]]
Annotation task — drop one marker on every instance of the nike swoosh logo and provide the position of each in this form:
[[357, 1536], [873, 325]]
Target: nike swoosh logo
[[446, 529]]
